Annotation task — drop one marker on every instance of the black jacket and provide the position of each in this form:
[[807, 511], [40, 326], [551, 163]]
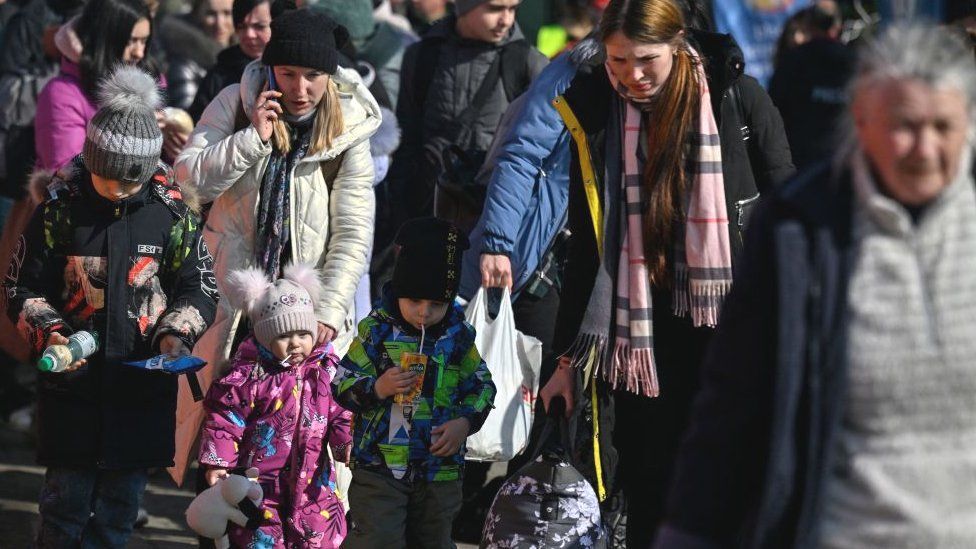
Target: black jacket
[[590, 97], [809, 88], [228, 70], [132, 271], [754, 464], [190, 53]]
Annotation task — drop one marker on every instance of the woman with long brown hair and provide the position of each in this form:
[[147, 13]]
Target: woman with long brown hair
[[672, 146]]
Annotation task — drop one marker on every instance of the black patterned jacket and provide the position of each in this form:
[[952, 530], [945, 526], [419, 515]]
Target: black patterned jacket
[[132, 271]]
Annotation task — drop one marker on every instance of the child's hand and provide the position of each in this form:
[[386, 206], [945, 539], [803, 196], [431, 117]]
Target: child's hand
[[343, 453], [58, 339], [172, 346], [449, 437], [213, 475], [394, 382]]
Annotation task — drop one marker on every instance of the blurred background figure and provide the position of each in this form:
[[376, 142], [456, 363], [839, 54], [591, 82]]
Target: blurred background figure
[[191, 43], [810, 80], [252, 25]]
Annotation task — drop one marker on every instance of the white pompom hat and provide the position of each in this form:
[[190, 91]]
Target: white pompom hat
[[286, 305]]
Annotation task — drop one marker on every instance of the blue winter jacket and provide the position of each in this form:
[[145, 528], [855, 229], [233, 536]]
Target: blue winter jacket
[[528, 167]]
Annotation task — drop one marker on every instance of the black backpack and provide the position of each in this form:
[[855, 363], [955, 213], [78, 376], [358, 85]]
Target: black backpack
[[458, 197], [547, 503]]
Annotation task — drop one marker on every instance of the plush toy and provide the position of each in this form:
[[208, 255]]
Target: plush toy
[[234, 499]]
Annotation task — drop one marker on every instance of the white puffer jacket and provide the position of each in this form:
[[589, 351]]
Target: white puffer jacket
[[333, 232]]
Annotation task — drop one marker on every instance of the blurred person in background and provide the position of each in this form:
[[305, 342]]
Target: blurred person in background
[[809, 86], [107, 32], [191, 44], [424, 13], [252, 23]]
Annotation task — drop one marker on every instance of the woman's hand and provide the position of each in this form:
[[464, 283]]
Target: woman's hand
[[58, 339], [213, 475], [325, 334], [265, 113], [561, 384], [447, 439], [496, 271]]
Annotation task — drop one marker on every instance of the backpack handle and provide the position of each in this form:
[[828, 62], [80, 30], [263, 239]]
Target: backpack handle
[[555, 421]]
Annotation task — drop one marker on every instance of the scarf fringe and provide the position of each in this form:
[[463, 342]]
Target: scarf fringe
[[702, 299], [579, 351], [636, 367]]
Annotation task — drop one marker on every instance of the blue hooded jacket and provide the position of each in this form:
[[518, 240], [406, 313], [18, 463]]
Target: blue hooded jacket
[[528, 167]]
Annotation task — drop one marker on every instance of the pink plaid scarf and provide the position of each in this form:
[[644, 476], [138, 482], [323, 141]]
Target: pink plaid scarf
[[703, 258]]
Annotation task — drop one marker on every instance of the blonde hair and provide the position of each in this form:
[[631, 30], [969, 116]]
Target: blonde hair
[[327, 127]]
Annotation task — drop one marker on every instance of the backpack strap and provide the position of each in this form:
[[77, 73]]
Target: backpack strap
[[330, 170], [515, 68], [428, 52], [742, 120]]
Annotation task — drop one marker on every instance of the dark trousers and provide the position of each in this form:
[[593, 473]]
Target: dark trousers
[[89, 508], [648, 431], [386, 513]]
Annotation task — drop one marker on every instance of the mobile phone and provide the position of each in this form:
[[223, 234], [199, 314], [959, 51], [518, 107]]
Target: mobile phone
[[272, 85]]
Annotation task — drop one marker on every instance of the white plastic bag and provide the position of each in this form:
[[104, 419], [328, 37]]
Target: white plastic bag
[[514, 360]]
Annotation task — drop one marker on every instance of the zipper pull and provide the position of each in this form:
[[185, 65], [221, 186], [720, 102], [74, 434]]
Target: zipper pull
[[118, 211]]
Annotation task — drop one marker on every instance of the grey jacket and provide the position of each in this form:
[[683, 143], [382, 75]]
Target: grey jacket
[[428, 124]]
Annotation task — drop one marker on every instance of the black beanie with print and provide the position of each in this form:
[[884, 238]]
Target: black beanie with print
[[428, 264]]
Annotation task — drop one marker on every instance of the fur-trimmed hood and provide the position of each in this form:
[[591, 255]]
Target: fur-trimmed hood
[[43, 184], [181, 39], [386, 140]]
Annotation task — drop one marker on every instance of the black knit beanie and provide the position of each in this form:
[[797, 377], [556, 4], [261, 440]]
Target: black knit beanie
[[428, 264], [305, 38]]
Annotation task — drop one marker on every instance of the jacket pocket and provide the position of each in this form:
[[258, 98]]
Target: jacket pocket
[[743, 212]]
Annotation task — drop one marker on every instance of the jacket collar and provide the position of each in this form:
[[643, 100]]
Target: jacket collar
[[252, 351], [360, 112], [389, 312]]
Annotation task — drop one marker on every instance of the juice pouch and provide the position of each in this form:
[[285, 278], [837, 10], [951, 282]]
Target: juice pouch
[[416, 362]]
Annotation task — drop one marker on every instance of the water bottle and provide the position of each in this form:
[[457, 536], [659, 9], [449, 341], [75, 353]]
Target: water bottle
[[58, 357]]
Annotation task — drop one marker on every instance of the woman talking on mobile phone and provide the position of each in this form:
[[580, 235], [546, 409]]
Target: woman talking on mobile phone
[[288, 169]]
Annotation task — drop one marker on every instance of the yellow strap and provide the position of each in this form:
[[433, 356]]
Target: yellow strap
[[586, 168], [601, 490]]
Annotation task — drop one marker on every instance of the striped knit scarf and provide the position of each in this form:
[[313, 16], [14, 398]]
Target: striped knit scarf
[[702, 258]]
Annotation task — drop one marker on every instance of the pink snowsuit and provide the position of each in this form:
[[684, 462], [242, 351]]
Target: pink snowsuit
[[278, 419]]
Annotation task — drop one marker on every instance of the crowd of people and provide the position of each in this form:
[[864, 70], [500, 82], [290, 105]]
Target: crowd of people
[[743, 297]]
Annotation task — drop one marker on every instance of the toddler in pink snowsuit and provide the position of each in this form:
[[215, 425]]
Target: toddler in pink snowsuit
[[274, 410]]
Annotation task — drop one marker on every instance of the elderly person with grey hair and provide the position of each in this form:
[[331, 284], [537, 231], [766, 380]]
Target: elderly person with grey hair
[[838, 407]]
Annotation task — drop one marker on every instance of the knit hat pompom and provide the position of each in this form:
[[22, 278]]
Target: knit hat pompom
[[276, 308], [122, 140], [306, 277], [129, 88], [245, 288]]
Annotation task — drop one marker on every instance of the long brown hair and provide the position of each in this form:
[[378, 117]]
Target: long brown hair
[[327, 127], [673, 114]]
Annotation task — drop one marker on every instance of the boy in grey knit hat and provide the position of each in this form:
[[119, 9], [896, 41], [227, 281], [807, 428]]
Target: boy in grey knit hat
[[114, 250]]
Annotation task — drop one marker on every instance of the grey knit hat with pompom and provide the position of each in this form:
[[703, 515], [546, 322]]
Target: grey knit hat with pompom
[[123, 141]]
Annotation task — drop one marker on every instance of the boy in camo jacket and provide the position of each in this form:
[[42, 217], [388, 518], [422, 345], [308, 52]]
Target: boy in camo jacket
[[408, 457]]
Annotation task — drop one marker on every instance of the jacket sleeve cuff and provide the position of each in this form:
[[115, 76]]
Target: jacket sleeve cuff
[[331, 318], [252, 144], [497, 245], [669, 537]]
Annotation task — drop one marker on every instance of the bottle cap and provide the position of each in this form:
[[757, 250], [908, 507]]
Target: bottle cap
[[45, 364]]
